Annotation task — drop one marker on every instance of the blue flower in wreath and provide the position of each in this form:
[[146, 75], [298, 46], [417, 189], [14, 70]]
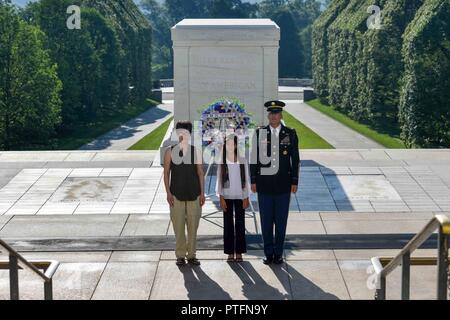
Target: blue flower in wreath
[[224, 113]]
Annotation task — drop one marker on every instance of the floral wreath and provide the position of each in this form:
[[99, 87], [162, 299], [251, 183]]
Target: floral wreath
[[222, 117]]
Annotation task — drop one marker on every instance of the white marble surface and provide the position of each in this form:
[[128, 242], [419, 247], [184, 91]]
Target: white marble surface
[[215, 58], [368, 181], [89, 189], [361, 187]]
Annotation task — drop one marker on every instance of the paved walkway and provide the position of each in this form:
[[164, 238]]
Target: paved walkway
[[76, 205], [133, 131], [115, 182], [316, 275], [338, 135]]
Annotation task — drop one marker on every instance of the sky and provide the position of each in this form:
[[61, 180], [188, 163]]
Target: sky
[[20, 2]]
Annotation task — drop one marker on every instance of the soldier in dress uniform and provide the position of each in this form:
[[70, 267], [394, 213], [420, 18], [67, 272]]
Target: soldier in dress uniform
[[274, 176]]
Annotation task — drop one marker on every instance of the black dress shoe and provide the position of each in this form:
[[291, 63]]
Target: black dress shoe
[[181, 262], [194, 262], [268, 260], [278, 260]]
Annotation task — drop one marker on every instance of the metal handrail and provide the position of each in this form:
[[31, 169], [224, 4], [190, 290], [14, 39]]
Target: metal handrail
[[440, 223], [17, 262]]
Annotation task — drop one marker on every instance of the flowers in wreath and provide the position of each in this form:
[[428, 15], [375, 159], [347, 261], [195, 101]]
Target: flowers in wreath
[[224, 116]]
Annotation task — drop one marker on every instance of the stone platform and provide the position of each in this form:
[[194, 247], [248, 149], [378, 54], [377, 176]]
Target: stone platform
[[67, 183], [306, 275], [76, 200]]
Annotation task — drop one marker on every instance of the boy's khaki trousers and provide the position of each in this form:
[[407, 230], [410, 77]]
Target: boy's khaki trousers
[[185, 214]]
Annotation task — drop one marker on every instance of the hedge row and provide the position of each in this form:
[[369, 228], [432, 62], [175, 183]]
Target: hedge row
[[30, 103], [105, 65], [363, 72], [54, 79], [425, 94], [135, 34]]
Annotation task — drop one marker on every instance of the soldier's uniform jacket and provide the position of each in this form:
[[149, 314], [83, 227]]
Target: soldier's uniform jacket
[[289, 162]]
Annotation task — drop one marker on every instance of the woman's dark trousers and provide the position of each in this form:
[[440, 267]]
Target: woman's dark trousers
[[234, 228]]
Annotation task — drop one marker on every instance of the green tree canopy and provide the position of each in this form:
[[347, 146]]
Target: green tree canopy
[[425, 94], [88, 59], [294, 17], [30, 103], [395, 77]]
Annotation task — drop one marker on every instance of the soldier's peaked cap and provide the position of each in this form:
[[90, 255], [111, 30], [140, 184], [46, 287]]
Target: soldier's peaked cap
[[274, 106]]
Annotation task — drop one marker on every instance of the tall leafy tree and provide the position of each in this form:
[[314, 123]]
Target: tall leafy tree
[[231, 9], [395, 78], [425, 94], [266, 8], [30, 103], [295, 19], [88, 59], [135, 37], [293, 16], [291, 56], [178, 10], [162, 55]]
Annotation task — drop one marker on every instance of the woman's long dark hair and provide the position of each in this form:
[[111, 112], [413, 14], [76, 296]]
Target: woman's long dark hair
[[224, 168]]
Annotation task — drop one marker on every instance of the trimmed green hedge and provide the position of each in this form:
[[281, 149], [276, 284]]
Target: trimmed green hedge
[[425, 95], [320, 46], [360, 71], [30, 104], [106, 65], [135, 34]]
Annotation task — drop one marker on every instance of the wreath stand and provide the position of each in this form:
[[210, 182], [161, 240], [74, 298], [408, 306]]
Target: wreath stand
[[251, 214]]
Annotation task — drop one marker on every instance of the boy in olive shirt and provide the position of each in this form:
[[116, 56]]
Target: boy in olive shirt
[[184, 183]]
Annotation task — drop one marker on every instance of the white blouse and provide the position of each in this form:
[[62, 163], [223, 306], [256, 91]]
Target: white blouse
[[233, 190]]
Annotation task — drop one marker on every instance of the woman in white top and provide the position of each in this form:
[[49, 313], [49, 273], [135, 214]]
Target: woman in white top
[[233, 185]]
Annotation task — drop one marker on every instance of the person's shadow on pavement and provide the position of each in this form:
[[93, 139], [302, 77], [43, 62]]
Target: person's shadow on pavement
[[200, 286], [300, 287], [254, 287]]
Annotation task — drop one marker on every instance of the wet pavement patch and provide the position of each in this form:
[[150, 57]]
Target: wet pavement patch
[[89, 189]]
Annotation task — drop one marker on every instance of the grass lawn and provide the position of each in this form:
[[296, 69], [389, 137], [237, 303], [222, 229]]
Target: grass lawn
[[154, 139], [308, 138], [84, 133], [390, 141]]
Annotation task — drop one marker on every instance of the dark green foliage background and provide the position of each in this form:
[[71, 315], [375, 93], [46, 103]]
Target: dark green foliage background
[[295, 18], [100, 69], [30, 102], [396, 78], [135, 34], [425, 91]]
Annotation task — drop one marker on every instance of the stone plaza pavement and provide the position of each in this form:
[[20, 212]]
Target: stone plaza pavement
[[115, 202], [306, 275]]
